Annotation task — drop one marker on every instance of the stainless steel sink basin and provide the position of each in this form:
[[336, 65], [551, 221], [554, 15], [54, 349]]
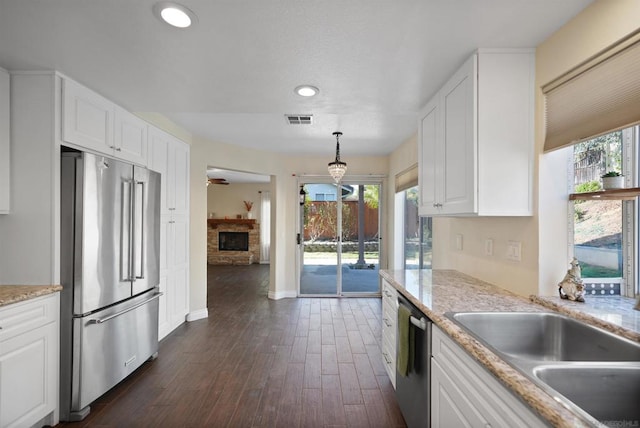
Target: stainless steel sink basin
[[545, 336], [609, 394], [591, 370]]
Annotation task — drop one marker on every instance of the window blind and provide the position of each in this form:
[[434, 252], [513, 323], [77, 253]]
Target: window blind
[[599, 96], [407, 178]]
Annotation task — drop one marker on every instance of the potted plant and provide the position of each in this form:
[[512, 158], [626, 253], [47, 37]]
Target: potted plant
[[612, 180]]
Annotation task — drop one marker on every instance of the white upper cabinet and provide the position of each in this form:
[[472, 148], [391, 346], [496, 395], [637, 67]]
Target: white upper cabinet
[[4, 142], [130, 137], [92, 122], [87, 118], [476, 139], [170, 157]]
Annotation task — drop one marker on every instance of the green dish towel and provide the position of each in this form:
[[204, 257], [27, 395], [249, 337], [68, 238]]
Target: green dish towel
[[405, 340]]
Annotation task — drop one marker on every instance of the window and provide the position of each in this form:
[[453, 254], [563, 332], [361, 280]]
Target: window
[[417, 233], [604, 232]]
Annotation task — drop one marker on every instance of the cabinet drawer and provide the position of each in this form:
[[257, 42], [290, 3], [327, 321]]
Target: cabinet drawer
[[20, 317]]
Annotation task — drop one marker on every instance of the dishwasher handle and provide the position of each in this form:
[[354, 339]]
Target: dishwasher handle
[[420, 323]]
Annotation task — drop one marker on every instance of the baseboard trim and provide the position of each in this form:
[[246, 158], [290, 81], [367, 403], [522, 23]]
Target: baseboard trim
[[277, 295], [198, 315]]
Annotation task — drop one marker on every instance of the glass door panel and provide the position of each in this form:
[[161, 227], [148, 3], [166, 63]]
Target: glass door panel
[[360, 239], [319, 241]]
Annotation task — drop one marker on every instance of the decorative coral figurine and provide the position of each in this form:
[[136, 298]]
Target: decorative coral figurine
[[571, 287]]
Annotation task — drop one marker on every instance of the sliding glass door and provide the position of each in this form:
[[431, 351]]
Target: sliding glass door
[[339, 239]]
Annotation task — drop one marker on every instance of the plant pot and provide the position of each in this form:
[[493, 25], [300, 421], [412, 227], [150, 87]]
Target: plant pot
[[613, 182], [249, 214]]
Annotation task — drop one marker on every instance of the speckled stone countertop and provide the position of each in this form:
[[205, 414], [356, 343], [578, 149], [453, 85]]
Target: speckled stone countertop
[[17, 293], [440, 291]]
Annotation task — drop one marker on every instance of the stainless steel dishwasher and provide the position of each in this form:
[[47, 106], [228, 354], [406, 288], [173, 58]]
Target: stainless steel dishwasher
[[413, 390]]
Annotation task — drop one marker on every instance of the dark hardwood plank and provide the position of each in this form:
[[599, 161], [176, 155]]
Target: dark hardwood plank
[[255, 362]]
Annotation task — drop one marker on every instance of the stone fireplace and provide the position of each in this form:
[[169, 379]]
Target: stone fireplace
[[233, 242]]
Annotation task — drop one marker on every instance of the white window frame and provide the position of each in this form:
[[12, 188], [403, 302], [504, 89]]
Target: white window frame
[[630, 217]]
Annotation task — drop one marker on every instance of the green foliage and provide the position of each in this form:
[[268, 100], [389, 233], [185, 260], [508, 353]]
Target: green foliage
[[589, 186], [371, 195], [611, 174], [578, 213]]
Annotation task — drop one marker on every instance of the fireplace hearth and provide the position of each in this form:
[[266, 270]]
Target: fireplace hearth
[[233, 241]]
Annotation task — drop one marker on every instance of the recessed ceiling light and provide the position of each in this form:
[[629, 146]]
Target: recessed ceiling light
[[306, 90], [174, 14]]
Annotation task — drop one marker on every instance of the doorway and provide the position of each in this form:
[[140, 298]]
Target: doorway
[[339, 239]]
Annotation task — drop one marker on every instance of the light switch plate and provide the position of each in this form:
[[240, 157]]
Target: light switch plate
[[488, 247], [459, 241], [514, 251]]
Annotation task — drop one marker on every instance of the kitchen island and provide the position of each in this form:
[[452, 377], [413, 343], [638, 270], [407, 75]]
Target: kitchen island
[[440, 291]]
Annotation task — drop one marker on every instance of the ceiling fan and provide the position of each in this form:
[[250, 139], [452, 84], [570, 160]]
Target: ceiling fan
[[222, 181]]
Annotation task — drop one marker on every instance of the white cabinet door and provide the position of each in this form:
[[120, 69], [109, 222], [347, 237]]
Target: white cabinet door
[[449, 406], [170, 157], [477, 130], [463, 393], [166, 279], [458, 142], [29, 361], [87, 118], [430, 164], [179, 175], [389, 329], [158, 160], [130, 138], [181, 267], [5, 157]]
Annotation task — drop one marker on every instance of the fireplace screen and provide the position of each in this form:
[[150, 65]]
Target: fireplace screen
[[233, 241]]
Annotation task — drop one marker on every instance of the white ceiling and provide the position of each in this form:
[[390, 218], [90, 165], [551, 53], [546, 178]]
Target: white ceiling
[[231, 77]]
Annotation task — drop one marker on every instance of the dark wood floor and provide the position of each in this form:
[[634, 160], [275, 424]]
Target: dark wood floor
[[256, 362]]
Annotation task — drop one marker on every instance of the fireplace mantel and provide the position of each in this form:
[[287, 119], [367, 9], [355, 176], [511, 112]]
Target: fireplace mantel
[[215, 222]]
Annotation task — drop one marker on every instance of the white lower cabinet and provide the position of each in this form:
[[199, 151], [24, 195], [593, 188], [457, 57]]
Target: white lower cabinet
[[174, 273], [389, 328], [29, 343], [464, 394]]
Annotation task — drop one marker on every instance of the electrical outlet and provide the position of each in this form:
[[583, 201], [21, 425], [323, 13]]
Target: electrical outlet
[[514, 251], [488, 247], [459, 242]]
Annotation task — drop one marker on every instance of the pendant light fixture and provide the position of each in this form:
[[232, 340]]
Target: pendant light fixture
[[337, 168]]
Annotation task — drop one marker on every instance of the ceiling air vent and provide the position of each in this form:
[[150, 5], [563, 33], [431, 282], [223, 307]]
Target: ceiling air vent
[[299, 119]]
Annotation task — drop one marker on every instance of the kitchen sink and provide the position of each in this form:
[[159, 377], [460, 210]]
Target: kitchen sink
[[546, 336], [591, 370], [609, 394]]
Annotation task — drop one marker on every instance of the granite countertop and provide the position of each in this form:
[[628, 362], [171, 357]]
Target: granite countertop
[[440, 291], [17, 293]]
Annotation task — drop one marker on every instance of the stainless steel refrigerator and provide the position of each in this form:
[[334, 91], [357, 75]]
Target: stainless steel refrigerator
[[109, 269]]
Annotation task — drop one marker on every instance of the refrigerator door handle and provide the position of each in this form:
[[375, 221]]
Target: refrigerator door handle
[[138, 230], [126, 247], [117, 314]]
